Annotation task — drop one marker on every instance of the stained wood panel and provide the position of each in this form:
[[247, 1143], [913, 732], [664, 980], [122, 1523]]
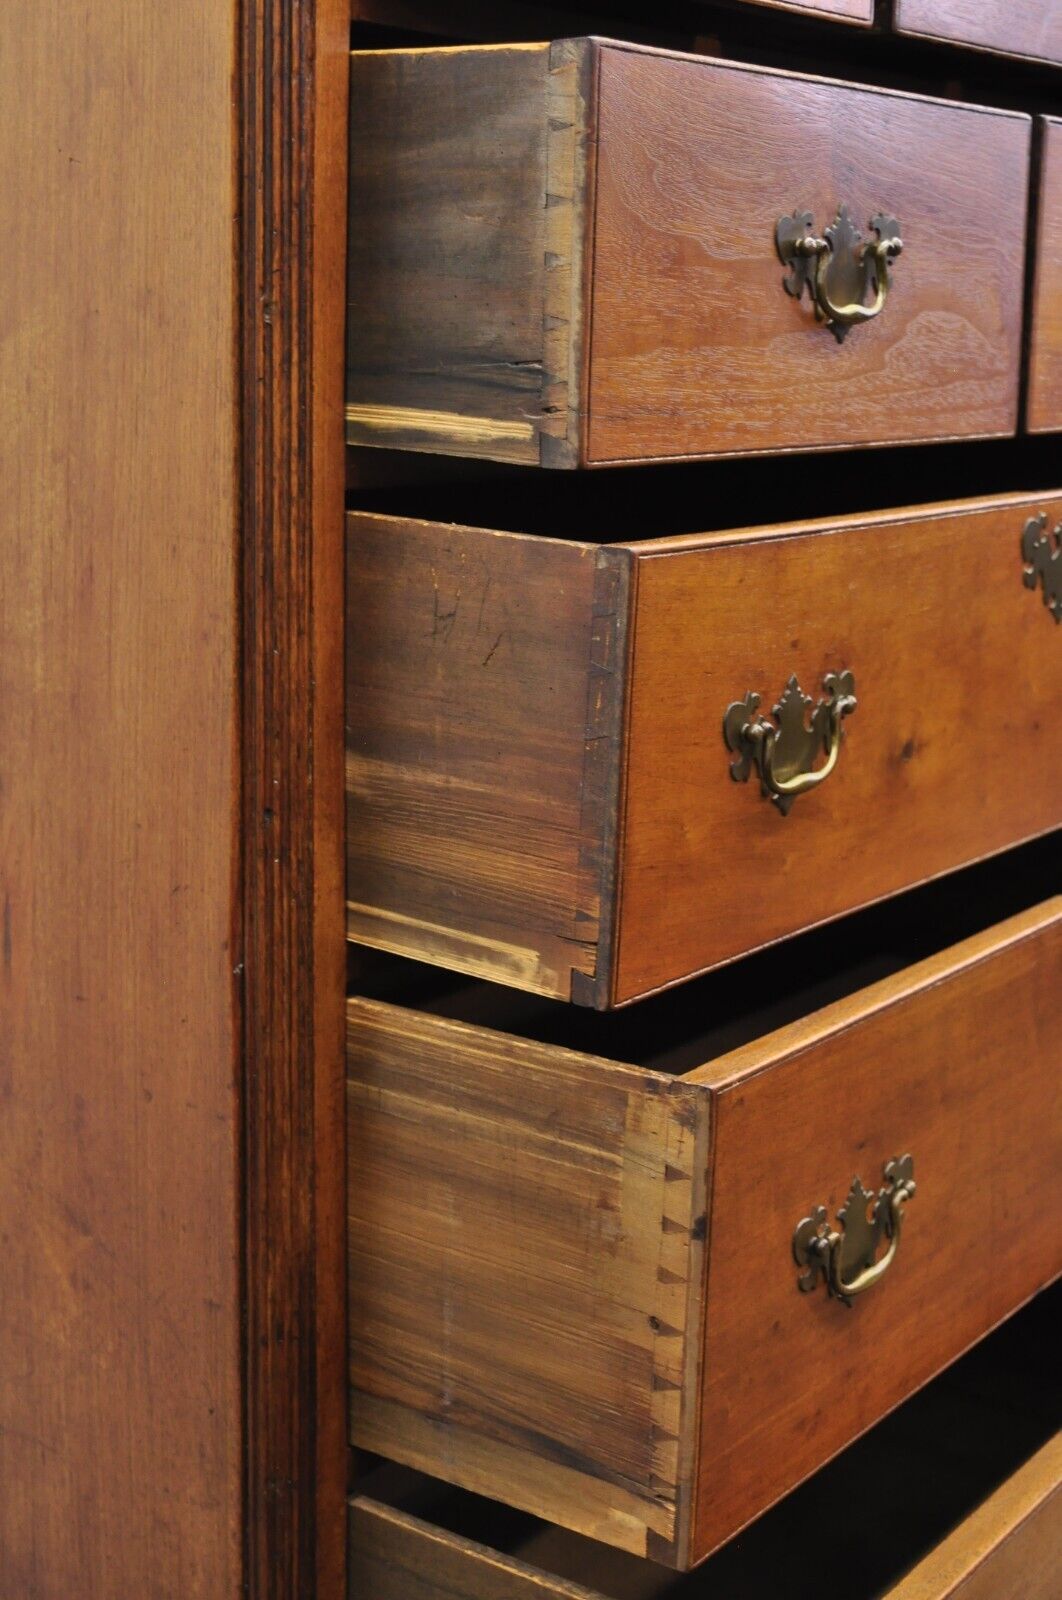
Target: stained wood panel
[[1044, 405], [695, 349], [571, 1286], [120, 1390], [1010, 27]]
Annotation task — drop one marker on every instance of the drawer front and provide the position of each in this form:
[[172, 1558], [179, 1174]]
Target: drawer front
[[695, 348], [953, 751], [1045, 354], [571, 1282], [1010, 27], [642, 313]]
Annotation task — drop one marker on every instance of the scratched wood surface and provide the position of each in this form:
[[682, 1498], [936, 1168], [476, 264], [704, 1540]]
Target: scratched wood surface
[[534, 1316], [1010, 27], [1044, 405]]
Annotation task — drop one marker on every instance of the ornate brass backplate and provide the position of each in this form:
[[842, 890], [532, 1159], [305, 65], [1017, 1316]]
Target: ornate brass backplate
[[846, 1258], [840, 270], [1041, 553], [785, 755]]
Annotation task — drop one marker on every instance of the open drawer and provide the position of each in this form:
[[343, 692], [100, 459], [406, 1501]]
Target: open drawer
[[956, 1496], [605, 1293]]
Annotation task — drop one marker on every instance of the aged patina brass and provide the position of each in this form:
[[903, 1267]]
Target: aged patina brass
[[840, 270], [784, 756], [844, 1258], [1041, 553]]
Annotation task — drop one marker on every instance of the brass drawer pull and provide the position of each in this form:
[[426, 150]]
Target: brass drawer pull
[[1041, 554], [844, 1257], [783, 755], [840, 270]]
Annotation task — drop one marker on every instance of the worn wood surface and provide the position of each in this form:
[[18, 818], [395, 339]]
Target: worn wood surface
[[294, 75], [1044, 405], [695, 349], [959, 1062], [529, 1307], [1011, 27], [482, 728], [466, 248], [1012, 1545], [120, 1395], [625, 199], [956, 674], [525, 1270]]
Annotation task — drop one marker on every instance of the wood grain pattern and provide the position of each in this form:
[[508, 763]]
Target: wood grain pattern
[[1009, 27], [694, 347], [462, 205], [171, 957], [530, 1307], [120, 1389], [958, 684], [499, 822], [292, 125], [566, 255], [1044, 404], [583, 1181], [483, 675], [1012, 1545]]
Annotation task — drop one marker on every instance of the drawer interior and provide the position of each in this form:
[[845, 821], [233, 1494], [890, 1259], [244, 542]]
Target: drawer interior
[[854, 1529]]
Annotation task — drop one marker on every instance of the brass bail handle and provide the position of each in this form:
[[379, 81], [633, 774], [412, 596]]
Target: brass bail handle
[[846, 1257], [785, 755], [838, 271]]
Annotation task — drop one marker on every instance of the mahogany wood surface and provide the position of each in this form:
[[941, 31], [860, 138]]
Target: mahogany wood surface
[[844, 10], [534, 1315], [1011, 27], [625, 200], [959, 689], [171, 953], [501, 822], [1044, 405]]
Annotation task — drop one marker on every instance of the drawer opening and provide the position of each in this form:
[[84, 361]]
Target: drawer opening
[[685, 1027], [887, 1501], [682, 498]]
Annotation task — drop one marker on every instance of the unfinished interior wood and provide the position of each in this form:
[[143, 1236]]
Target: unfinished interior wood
[[538, 789], [1044, 406], [565, 254], [1008, 27], [571, 1285]]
